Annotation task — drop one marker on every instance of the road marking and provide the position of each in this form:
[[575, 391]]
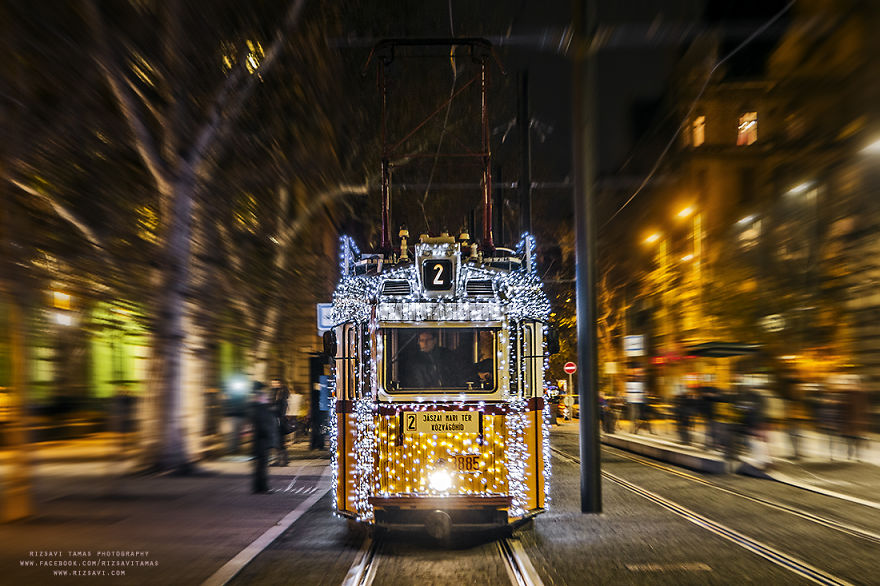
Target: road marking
[[675, 567], [231, 568]]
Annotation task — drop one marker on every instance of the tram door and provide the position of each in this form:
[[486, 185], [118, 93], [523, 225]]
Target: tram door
[[349, 372], [531, 347]]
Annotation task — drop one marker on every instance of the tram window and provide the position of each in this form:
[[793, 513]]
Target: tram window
[[347, 363], [533, 361], [439, 358]]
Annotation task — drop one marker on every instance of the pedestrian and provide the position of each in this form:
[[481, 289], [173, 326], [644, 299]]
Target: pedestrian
[[828, 416], [796, 415], [728, 419], [296, 414], [615, 408], [853, 420], [682, 412], [124, 419], [606, 418], [280, 395], [708, 398], [792, 391], [754, 414], [649, 411], [263, 426]]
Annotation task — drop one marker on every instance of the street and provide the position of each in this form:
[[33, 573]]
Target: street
[[739, 526], [661, 524]]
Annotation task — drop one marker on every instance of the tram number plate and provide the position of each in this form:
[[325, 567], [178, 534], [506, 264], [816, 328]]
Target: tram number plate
[[441, 422], [466, 463]]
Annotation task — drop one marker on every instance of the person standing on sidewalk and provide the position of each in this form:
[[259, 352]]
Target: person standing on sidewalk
[[854, 413], [708, 399], [828, 416], [682, 410], [280, 396], [754, 413], [264, 429]]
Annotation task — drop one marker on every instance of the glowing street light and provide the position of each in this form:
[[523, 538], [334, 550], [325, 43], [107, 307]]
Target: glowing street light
[[652, 238], [746, 220], [873, 148], [801, 188], [687, 257], [686, 212]]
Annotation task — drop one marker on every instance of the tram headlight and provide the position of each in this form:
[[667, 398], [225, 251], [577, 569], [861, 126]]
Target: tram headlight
[[440, 479]]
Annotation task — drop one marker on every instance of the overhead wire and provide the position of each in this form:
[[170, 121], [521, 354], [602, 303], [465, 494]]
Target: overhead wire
[[424, 200]]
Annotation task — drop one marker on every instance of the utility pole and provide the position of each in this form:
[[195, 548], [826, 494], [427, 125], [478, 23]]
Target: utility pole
[[523, 121], [586, 237]]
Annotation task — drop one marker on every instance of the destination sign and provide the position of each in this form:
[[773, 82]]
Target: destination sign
[[441, 422]]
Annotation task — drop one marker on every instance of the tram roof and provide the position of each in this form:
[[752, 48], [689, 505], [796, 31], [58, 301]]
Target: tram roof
[[509, 278]]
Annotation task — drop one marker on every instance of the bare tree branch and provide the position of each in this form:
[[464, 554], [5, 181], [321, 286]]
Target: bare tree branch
[[69, 217], [233, 293], [223, 113], [144, 100], [324, 199], [144, 142]]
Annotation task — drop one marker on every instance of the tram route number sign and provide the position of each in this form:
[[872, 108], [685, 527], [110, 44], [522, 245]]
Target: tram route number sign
[[441, 422], [437, 274]]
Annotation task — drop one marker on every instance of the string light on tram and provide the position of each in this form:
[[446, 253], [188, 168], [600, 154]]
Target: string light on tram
[[518, 295]]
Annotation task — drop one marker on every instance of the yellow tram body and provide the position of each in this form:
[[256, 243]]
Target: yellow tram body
[[470, 452]]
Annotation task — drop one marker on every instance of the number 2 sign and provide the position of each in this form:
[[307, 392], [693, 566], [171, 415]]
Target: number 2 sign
[[437, 274]]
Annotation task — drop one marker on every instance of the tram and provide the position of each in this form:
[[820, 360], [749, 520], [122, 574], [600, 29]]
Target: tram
[[439, 417]]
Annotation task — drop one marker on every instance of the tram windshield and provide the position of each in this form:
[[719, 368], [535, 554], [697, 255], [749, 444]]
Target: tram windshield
[[439, 358]]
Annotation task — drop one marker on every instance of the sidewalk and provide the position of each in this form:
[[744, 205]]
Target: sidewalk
[[90, 516], [821, 467]]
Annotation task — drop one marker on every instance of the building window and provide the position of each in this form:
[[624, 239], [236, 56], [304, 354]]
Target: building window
[[699, 130], [748, 129]]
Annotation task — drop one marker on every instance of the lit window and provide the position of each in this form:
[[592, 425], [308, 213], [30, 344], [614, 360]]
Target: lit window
[[747, 132], [699, 130]]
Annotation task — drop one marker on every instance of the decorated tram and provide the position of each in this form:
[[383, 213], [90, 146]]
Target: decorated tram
[[439, 417]]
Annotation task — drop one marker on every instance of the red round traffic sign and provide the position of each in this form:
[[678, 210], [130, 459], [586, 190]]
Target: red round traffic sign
[[570, 368]]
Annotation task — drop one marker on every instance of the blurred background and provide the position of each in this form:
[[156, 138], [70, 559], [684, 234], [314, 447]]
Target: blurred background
[[174, 178]]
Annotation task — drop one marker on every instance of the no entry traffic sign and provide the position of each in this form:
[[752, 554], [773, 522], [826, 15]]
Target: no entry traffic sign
[[570, 368]]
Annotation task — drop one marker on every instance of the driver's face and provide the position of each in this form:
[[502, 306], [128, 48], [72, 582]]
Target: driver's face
[[427, 341]]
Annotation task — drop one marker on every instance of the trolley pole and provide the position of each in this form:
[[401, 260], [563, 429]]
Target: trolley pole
[[584, 128]]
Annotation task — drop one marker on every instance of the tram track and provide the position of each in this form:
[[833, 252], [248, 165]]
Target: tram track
[[844, 528], [363, 570], [780, 558], [516, 562]]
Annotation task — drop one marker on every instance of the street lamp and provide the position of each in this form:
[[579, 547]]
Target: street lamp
[[800, 188], [873, 148]]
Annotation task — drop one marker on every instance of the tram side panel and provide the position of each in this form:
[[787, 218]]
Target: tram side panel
[[347, 358], [533, 378]]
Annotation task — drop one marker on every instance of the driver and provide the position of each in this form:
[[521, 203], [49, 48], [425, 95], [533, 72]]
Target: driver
[[432, 366]]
